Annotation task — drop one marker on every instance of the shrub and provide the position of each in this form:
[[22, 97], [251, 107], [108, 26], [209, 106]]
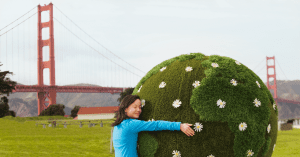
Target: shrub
[[229, 120]]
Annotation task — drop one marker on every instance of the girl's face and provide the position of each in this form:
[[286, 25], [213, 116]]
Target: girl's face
[[134, 110]]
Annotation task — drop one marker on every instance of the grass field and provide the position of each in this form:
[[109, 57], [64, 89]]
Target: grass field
[[24, 139]]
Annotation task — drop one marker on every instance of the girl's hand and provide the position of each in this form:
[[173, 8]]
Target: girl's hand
[[185, 128]]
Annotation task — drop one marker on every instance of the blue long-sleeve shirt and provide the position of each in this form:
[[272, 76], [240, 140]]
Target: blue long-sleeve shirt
[[125, 135]]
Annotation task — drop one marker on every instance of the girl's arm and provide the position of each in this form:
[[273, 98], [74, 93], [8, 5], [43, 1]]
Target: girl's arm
[[140, 125]]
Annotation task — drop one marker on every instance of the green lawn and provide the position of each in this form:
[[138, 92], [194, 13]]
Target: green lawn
[[25, 139]]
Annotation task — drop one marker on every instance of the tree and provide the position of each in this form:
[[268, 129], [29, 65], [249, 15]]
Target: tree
[[75, 111], [54, 110], [127, 91], [6, 87]]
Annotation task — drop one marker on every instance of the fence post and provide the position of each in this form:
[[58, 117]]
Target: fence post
[[111, 140]]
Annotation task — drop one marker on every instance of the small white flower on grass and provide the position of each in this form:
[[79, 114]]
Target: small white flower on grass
[[237, 62], [250, 153], [233, 81], [196, 84], [162, 84], [188, 69], [198, 127], [143, 102], [221, 103], [243, 126], [176, 153], [269, 128], [151, 120], [176, 103], [214, 65], [210, 155], [274, 105], [162, 69], [140, 89], [257, 102], [258, 84], [274, 147]]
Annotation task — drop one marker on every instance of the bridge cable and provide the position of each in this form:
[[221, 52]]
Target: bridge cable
[[261, 69], [258, 64], [18, 55], [6, 52], [24, 49], [284, 88], [18, 18], [12, 49], [18, 24], [93, 48], [95, 40], [285, 76], [28, 52]]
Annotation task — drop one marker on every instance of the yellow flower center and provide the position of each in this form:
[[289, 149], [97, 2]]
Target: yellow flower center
[[176, 153], [221, 103], [242, 125], [198, 126]]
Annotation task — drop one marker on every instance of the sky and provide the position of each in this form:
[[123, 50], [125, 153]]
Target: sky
[[146, 33]]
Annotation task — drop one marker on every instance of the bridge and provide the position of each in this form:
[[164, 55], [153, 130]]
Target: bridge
[[17, 40], [23, 43]]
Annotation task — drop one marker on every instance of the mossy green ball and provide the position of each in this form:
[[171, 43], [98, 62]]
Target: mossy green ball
[[232, 111]]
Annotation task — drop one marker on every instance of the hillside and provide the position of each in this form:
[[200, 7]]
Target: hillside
[[21, 102], [289, 90], [27, 102]]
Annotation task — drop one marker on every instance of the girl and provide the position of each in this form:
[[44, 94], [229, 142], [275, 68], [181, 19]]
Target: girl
[[127, 126]]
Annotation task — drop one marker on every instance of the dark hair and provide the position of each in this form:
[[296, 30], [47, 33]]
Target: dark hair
[[125, 103]]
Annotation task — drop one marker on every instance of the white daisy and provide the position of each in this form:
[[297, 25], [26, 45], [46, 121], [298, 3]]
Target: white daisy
[[140, 88], [250, 153], [274, 105], [210, 155], [198, 127], [214, 65], [176, 153], [233, 81], [162, 69], [176, 103], [162, 84], [269, 128], [243, 126], [274, 147], [196, 84], [237, 62], [257, 102], [258, 84], [188, 69], [143, 102], [151, 120], [221, 103]]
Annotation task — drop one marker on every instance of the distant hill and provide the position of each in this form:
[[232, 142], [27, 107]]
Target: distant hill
[[23, 102], [289, 90], [27, 102]]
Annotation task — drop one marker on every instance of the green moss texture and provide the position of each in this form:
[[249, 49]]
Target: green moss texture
[[232, 111]]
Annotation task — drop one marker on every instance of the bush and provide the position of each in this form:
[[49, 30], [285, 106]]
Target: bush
[[54, 110], [286, 126], [228, 119], [75, 111]]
